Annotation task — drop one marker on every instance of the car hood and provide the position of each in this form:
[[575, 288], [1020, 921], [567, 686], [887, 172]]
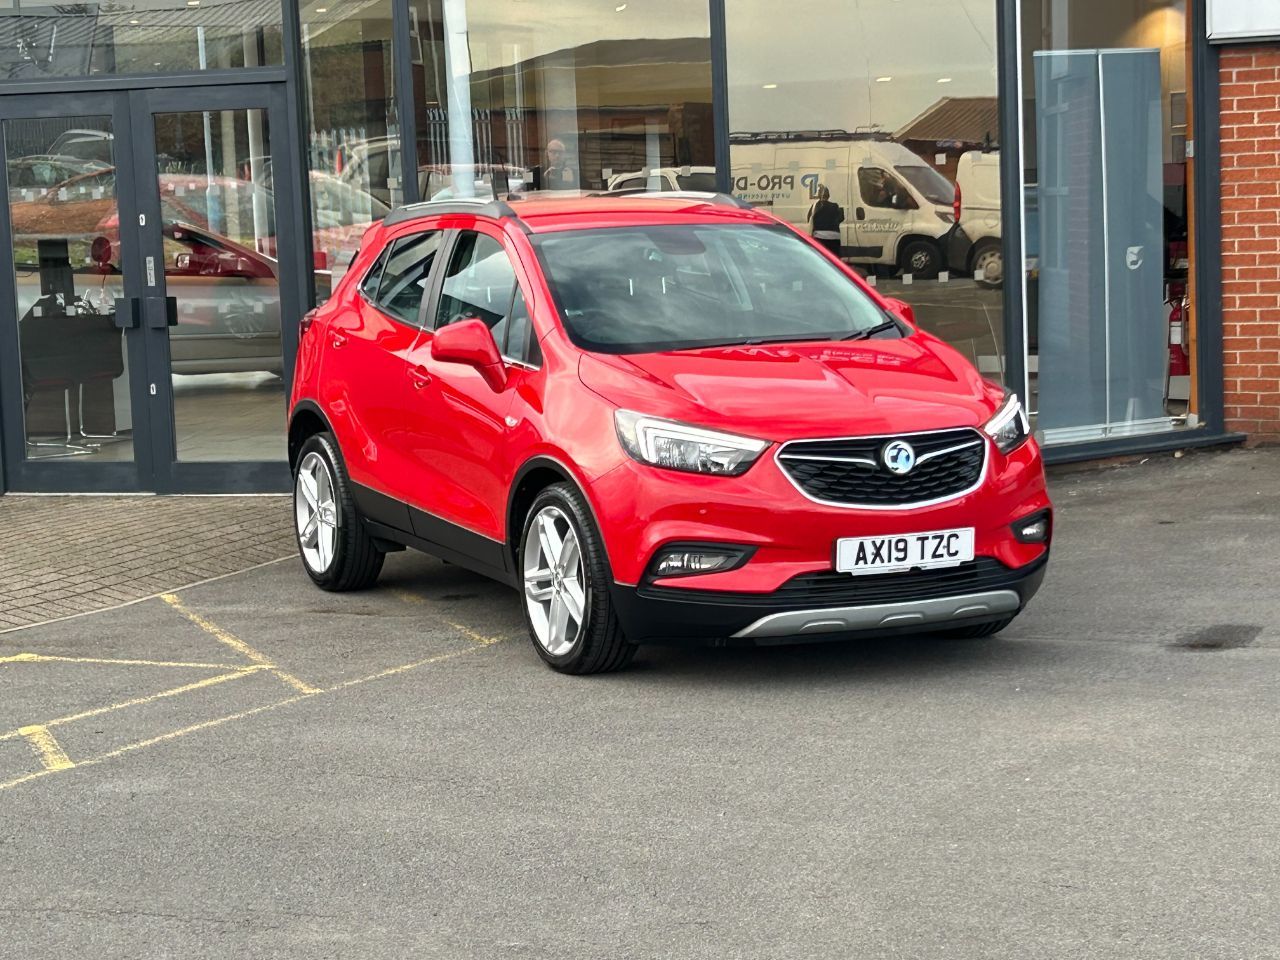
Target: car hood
[[799, 390]]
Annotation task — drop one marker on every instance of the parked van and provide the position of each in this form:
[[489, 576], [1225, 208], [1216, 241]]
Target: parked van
[[899, 212], [700, 179], [978, 177]]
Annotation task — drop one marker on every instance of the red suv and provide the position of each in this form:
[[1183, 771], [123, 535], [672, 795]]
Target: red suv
[[662, 419]]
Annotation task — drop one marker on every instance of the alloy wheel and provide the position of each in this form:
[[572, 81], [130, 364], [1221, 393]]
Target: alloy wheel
[[555, 586], [991, 263], [315, 512]]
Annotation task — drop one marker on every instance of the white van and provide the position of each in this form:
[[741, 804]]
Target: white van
[[697, 179], [899, 212], [978, 177]]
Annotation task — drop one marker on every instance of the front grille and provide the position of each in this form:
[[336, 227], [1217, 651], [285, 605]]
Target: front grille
[[830, 588], [851, 472]]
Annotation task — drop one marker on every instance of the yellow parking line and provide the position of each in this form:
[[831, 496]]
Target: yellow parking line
[[51, 753], [236, 644], [467, 632], [43, 658], [219, 721], [139, 701]]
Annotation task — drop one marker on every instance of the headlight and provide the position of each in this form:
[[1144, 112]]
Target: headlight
[[680, 446], [1008, 428]]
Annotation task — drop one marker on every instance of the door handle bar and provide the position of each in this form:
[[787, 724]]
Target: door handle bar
[[128, 313], [419, 376]]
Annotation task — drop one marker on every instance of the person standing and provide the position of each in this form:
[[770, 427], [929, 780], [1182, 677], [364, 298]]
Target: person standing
[[825, 218], [556, 173]]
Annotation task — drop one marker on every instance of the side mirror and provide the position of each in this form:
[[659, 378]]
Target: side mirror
[[901, 309], [469, 341]]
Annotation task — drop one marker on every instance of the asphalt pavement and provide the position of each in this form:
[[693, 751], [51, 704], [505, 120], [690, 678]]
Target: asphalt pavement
[[252, 768]]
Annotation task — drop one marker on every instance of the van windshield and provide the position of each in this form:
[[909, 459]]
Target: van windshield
[[678, 287], [934, 186]]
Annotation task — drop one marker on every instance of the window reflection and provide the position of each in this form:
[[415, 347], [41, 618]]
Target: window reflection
[[61, 40], [355, 135], [1109, 323], [567, 96], [67, 272], [878, 134]]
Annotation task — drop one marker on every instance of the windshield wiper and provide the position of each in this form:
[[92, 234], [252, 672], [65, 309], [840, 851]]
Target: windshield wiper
[[756, 341], [872, 331]]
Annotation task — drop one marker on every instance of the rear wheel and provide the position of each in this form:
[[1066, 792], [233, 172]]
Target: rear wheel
[[976, 631], [922, 259], [989, 258], [337, 551], [565, 574]]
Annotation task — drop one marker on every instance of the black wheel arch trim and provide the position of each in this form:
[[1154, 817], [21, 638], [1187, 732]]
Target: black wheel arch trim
[[310, 407], [543, 461]]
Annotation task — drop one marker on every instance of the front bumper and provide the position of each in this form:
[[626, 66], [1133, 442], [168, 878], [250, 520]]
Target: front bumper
[[829, 605]]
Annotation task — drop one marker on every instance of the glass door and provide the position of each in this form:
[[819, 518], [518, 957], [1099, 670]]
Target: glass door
[[70, 356], [152, 262], [216, 244]]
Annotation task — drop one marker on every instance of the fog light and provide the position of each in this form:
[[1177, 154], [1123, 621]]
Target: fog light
[[688, 559], [1033, 529]]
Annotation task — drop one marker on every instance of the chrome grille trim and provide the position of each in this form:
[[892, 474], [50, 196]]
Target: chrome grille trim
[[781, 454]]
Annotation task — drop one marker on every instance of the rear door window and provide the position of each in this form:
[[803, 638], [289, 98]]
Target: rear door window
[[405, 274]]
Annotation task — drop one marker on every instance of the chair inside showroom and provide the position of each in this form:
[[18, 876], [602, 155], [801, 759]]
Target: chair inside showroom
[[50, 360]]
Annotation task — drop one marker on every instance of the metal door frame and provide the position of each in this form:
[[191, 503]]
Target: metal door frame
[[72, 475], [154, 467], [168, 473]]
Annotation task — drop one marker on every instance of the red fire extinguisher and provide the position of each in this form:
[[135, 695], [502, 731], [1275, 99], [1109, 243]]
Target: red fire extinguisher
[[1179, 361]]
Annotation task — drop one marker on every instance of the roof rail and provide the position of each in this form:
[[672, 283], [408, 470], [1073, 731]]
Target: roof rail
[[719, 199], [475, 206]]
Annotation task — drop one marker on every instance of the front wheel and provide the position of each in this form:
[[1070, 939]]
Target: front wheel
[[565, 574], [337, 551], [922, 259]]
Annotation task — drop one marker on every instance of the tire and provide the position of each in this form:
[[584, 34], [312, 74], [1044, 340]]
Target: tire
[[976, 631], [920, 258], [594, 641], [351, 561], [989, 258]]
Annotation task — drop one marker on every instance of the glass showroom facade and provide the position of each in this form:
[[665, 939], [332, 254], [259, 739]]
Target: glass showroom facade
[[184, 178]]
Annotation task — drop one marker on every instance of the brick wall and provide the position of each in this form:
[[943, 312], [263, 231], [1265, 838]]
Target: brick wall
[[1250, 92]]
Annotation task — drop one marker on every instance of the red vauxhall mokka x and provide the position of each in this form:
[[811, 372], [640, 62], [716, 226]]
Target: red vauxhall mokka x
[[661, 419]]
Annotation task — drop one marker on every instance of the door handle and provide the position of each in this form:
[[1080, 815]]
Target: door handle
[[860, 213], [127, 313], [419, 376], [338, 340], [162, 312]]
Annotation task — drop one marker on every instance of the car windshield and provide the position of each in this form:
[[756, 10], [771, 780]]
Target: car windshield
[[702, 182], [678, 287], [933, 185]]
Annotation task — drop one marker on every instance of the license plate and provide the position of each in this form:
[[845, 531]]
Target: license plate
[[938, 548]]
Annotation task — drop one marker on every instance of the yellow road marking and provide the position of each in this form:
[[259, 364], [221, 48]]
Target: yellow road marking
[[219, 721], [236, 644], [467, 632], [139, 701], [42, 658], [51, 753]]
